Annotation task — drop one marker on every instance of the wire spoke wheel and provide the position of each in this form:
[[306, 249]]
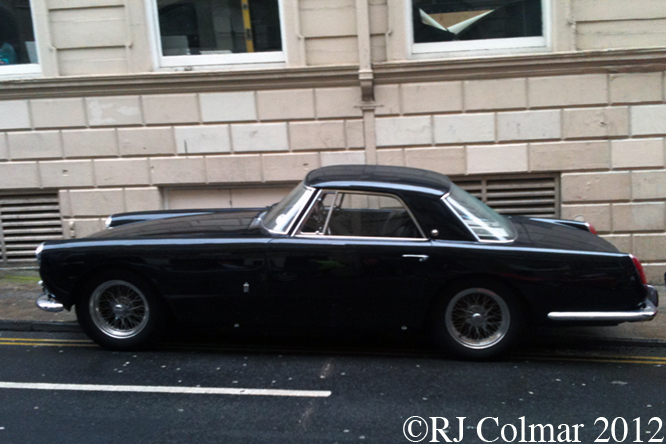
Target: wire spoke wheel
[[119, 309], [477, 318]]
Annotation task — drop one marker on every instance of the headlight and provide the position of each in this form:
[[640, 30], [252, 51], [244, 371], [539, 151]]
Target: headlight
[[108, 221], [38, 252]]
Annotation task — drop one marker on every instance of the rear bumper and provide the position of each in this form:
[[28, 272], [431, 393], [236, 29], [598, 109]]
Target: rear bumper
[[646, 312]]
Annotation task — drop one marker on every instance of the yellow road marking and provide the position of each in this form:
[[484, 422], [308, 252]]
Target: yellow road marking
[[608, 359], [40, 342], [45, 340], [612, 359], [37, 344]]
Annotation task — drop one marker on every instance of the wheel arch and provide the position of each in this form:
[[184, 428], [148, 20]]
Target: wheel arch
[[442, 292], [78, 290]]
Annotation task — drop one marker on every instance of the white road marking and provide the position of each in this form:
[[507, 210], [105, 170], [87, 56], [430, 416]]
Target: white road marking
[[166, 389]]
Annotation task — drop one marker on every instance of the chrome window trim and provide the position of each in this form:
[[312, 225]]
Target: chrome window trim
[[478, 239], [306, 212], [309, 189], [328, 236], [297, 231]]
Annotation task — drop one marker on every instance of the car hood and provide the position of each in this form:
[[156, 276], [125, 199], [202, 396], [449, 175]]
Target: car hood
[[540, 233], [218, 224]]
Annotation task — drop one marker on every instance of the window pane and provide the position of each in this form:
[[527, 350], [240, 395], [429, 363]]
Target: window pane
[[280, 216], [219, 26], [356, 214], [318, 213], [450, 20], [480, 218], [17, 38]]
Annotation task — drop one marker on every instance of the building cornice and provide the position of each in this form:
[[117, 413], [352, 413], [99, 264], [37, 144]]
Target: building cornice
[[523, 65], [180, 82]]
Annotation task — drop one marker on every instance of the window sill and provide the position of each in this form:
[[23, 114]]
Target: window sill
[[209, 60], [480, 48], [17, 72]]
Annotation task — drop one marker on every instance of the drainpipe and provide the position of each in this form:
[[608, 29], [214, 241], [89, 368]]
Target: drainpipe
[[365, 78]]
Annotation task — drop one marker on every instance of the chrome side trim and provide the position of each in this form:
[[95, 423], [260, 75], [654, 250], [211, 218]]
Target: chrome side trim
[[647, 313], [369, 238]]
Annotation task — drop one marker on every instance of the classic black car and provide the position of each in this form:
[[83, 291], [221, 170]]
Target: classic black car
[[352, 247]]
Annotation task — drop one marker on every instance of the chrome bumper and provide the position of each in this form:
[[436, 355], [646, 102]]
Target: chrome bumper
[[47, 301], [646, 313]]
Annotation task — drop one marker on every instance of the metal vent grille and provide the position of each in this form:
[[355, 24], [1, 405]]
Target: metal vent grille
[[516, 196], [26, 221]]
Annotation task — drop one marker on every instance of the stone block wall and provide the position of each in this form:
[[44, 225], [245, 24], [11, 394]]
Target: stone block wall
[[603, 132], [113, 154]]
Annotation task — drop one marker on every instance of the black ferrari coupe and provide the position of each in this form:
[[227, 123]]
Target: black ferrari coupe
[[353, 248]]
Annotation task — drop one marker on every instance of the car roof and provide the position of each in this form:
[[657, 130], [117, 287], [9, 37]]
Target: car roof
[[379, 177]]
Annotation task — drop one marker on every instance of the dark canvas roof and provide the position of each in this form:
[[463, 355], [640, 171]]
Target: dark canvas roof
[[340, 175]]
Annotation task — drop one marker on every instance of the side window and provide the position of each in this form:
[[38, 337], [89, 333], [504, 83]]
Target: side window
[[360, 215], [192, 32], [316, 219]]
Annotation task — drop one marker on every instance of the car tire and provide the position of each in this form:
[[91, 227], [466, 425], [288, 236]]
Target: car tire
[[478, 322], [121, 311]]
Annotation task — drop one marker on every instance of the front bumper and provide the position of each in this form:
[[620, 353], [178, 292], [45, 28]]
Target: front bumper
[[47, 302], [646, 312]]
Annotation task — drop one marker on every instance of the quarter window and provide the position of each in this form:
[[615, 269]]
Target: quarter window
[[337, 213], [18, 51], [455, 25], [204, 32]]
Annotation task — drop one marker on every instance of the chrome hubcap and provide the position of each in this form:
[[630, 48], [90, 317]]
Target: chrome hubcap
[[477, 318], [119, 309]]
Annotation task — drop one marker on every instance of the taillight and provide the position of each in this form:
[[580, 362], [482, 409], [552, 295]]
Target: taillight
[[639, 268], [591, 228]]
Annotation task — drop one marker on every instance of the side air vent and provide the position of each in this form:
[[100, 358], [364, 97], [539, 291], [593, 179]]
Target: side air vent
[[26, 221], [516, 196]]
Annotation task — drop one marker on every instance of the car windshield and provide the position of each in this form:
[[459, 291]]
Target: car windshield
[[280, 217], [484, 222]]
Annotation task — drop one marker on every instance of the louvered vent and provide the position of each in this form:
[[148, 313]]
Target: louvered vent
[[27, 221], [513, 196]]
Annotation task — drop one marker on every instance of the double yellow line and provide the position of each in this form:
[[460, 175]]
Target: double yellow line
[[30, 342], [609, 359]]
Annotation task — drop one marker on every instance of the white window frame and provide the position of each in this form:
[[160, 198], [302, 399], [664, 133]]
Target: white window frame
[[209, 60], [485, 46], [26, 69]]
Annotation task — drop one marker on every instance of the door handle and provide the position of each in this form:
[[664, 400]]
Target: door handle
[[420, 257]]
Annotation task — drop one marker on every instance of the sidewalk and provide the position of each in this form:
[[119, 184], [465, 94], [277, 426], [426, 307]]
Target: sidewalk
[[18, 312]]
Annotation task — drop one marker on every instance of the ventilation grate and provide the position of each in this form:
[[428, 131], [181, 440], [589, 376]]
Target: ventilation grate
[[516, 196], [27, 221]]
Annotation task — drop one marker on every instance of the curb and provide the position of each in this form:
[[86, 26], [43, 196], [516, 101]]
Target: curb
[[38, 326]]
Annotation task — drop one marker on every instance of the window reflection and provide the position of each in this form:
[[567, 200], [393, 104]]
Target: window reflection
[[17, 38], [451, 20], [219, 26]]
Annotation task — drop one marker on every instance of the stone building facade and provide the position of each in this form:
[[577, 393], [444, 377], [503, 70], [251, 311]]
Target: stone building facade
[[102, 116]]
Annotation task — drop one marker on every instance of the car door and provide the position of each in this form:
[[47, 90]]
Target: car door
[[219, 282], [358, 261]]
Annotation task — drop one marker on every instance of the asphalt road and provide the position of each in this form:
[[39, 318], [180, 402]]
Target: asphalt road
[[60, 388]]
